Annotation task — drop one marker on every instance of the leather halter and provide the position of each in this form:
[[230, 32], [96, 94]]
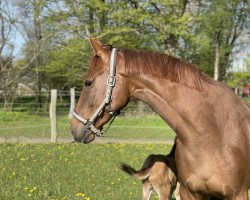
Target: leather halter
[[111, 80]]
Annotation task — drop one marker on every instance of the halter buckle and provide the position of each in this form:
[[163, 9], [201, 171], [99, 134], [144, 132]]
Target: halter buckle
[[111, 81]]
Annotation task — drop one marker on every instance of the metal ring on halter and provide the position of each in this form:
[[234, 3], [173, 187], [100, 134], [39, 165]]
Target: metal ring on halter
[[111, 80]]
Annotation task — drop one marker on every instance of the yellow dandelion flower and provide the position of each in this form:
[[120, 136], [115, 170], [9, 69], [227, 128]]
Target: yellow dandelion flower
[[80, 194]]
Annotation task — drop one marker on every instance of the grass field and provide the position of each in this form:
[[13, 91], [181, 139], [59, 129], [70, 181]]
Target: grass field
[[75, 171], [71, 171]]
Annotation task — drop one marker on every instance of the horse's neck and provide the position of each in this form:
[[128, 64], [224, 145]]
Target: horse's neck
[[178, 105]]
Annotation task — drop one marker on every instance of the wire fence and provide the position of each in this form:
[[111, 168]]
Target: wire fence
[[26, 120], [27, 104]]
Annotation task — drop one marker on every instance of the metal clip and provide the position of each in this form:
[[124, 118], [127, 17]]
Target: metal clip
[[101, 134]]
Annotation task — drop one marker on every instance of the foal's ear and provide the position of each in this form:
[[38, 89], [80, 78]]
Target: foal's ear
[[100, 49]]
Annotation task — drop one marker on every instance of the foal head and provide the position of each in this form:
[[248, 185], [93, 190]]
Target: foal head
[[96, 104]]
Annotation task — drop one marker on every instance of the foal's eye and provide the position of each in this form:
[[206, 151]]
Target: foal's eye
[[88, 83]]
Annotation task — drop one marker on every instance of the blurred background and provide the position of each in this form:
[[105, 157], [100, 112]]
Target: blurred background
[[44, 46]]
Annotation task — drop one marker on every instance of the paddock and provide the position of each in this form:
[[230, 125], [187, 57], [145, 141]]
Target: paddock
[[34, 168]]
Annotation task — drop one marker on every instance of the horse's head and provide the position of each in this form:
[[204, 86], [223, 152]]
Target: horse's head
[[104, 93]]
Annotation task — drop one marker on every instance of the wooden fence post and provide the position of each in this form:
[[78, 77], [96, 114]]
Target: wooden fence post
[[52, 114], [72, 102]]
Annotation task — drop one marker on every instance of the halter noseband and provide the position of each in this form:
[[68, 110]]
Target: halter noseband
[[89, 123]]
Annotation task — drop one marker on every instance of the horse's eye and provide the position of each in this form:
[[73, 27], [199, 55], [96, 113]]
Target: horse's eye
[[88, 83]]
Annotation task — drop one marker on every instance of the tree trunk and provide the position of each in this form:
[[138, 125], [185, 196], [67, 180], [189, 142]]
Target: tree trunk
[[38, 38], [216, 57], [8, 101], [216, 62]]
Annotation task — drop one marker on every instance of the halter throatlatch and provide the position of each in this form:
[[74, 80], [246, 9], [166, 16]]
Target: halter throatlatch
[[89, 123]]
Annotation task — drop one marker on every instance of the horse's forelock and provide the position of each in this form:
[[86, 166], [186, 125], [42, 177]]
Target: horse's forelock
[[94, 66]]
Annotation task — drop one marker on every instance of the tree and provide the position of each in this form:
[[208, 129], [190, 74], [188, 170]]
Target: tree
[[8, 71], [151, 25], [30, 26], [66, 64], [68, 52], [37, 6], [72, 22], [56, 32], [241, 78], [222, 22], [247, 64]]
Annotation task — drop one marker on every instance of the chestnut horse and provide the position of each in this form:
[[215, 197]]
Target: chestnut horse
[[212, 124]]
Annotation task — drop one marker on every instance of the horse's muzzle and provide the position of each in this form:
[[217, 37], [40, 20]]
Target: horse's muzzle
[[84, 136]]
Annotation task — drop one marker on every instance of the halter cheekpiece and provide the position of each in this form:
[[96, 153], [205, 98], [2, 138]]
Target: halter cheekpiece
[[111, 80]]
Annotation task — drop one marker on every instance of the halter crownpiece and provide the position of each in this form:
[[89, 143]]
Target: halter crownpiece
[[111, 80]]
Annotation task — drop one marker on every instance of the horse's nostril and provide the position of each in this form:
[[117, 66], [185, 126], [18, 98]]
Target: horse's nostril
[[86, 131]]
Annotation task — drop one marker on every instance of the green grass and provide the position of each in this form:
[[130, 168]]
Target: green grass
[[70, 171], [144, 127], [17, 124], [74, 171]]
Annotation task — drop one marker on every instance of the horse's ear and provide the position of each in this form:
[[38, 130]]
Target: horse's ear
[[99, 48]]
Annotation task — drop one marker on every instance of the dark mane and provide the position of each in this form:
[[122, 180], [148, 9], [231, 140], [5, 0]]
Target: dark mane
[[163, 66]]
